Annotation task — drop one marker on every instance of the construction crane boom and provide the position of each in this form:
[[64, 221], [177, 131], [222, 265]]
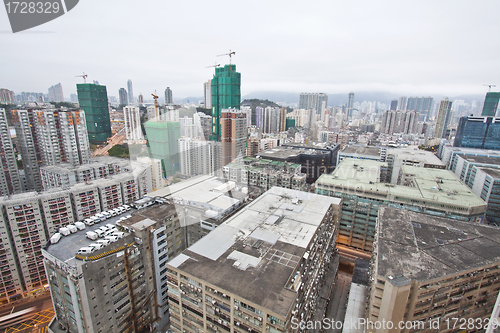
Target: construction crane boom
[[230, 54], [157, 111], [84, 77], [489, 86], [216, 65]]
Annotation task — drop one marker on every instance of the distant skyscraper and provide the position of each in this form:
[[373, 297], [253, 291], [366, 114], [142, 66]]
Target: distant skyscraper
[[478, 132], [122, 96], [130, 92], [226, 94], [10, 182], [132, 117], [316, 101], [74, 98], [271, 120], [6, 95], [141, 99], [403, 101], [207, 89], [233, 125], [443, 118], [93, 99], [168, 96], [259, 116], [350, 105], [56, 93], [421, 104], [394, 105], [490, 106]]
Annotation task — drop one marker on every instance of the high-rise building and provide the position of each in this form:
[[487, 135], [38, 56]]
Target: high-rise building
[[6, 95], [27, 143], [394, 105], [130, 92], [226, 94], [233, 125], [207, 90], [316, 101], [443, 118], [73, 98], [402, 103], [162, 139], [10, 182], [56, 93], [350, 105], [141, 99], [271, 120], [93, 99], [121, 287], [262, 282], [122, 96], [168, 96], [132, 117], [61, 137], [478, 132], [399, 121], [490, 106], [427, 270], [199, 157]]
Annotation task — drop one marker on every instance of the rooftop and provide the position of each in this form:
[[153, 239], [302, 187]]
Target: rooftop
[[436, 185], [424, 247], [202, 190], [493, 160], [493, 172], [255, 252], [415, 155], [361, 150]]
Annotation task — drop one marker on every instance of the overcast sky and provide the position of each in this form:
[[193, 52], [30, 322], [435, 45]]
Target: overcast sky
[[408, 47]]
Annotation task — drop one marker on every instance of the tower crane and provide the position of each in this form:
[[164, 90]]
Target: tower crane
[[489, 86], [84, 77], [216, 65], [230, 54], [157, 112]]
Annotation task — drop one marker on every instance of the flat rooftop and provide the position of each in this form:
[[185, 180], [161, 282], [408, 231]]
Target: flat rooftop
[[361, 150], [202, 190], [493, 172], [426, 157], [255, 252], [492, 160], [363, 177], [284, 152], [423, 247]]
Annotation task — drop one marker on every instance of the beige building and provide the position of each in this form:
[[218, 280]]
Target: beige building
[[427, 271], [260, 271]]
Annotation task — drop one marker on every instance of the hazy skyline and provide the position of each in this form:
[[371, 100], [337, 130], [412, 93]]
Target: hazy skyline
[[417, 48]]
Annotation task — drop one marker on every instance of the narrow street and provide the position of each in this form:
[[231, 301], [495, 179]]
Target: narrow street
[[336, 311]]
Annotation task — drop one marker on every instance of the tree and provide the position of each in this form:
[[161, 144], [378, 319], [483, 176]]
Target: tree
[[119, 151]]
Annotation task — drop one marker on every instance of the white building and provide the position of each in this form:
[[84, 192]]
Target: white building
[[132, 116], [198, 157]]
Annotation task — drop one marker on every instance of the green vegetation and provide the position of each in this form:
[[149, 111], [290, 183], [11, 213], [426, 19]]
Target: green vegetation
[[258, 102], [204, 110], [119, 151]]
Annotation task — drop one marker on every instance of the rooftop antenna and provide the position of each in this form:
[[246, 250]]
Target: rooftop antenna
[[230, 54], [489, 86], [84, 77], [157, 112]]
